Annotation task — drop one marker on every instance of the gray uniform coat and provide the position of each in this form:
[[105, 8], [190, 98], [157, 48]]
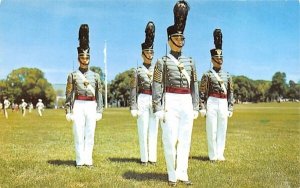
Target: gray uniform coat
[[142, 81], [168, 74], [210, 84], [77, 87]]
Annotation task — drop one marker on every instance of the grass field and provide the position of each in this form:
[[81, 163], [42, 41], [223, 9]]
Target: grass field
[[262, 150]]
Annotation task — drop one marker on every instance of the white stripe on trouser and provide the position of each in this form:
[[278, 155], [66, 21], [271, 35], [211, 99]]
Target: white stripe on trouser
[[147, 125], [176, 135], [84, 130], [216, 127]]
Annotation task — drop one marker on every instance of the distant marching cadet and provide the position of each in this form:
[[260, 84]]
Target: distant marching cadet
[[216, 101], [6, 104], [23, 106], [176, 99], [40, 107], [84, 105], [30, 107], [141, 101]]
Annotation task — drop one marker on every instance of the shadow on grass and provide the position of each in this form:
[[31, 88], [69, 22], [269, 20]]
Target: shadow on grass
[[62, 162], [125, 160], [131, 175], [200, 158]]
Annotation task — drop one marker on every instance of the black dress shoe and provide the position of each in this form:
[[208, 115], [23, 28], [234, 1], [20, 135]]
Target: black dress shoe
[[144, 163], [172, 184], [89, 166], [186, 182]]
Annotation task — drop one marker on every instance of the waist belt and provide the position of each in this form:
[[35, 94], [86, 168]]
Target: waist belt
[[146, 91], [85, 98], [178, 90], [218, 95]]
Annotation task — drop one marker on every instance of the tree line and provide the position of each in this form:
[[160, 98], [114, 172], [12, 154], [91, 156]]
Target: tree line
[[30, 84], [245, 89]]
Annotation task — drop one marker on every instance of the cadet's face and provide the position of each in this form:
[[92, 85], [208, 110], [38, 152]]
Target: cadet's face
[[217, 61], [176, 42], [147, 56], [179, 40], [84, 61]]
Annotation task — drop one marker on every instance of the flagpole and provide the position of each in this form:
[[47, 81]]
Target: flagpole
[[105, 74]]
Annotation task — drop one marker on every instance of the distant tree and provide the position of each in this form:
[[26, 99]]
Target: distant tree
[[278, 87], [293, 90], [261, 90], [244, 89], [110, 95], [120, 87], [31, 85], [3, 90]]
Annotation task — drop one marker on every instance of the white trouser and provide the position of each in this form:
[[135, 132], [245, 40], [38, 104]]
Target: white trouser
[[23, 111], [40, 111], [176, 135], [216, 127], [84, 130], [5, 113], [147, 125]]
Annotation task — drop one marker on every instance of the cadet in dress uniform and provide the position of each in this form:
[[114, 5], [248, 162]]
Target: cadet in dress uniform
[[141, 101], [176, 99], [40, 107], [84, 103], [30, 107], [23, 106], [6, 104], [216, 101]]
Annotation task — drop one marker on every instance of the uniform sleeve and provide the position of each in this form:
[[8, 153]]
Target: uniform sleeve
[[230, 98], [69, 94], [133, 91], [98, 94], [157, 86], [194, 88], [203, 91]]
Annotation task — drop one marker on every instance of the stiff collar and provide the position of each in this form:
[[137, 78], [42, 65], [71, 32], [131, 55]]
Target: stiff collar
[[175, 54], [82, 70], [217, 69], [147, 65]]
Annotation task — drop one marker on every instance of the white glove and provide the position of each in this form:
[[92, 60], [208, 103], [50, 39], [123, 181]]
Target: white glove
[[69, 117], [98, 116], [160, 114], [134, 113], [230, 113], [203, 113], [196, 113]]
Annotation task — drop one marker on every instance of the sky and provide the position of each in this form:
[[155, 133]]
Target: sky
[[259, 37]]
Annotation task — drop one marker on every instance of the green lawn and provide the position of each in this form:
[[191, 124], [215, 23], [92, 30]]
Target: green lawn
[[262, 150]]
